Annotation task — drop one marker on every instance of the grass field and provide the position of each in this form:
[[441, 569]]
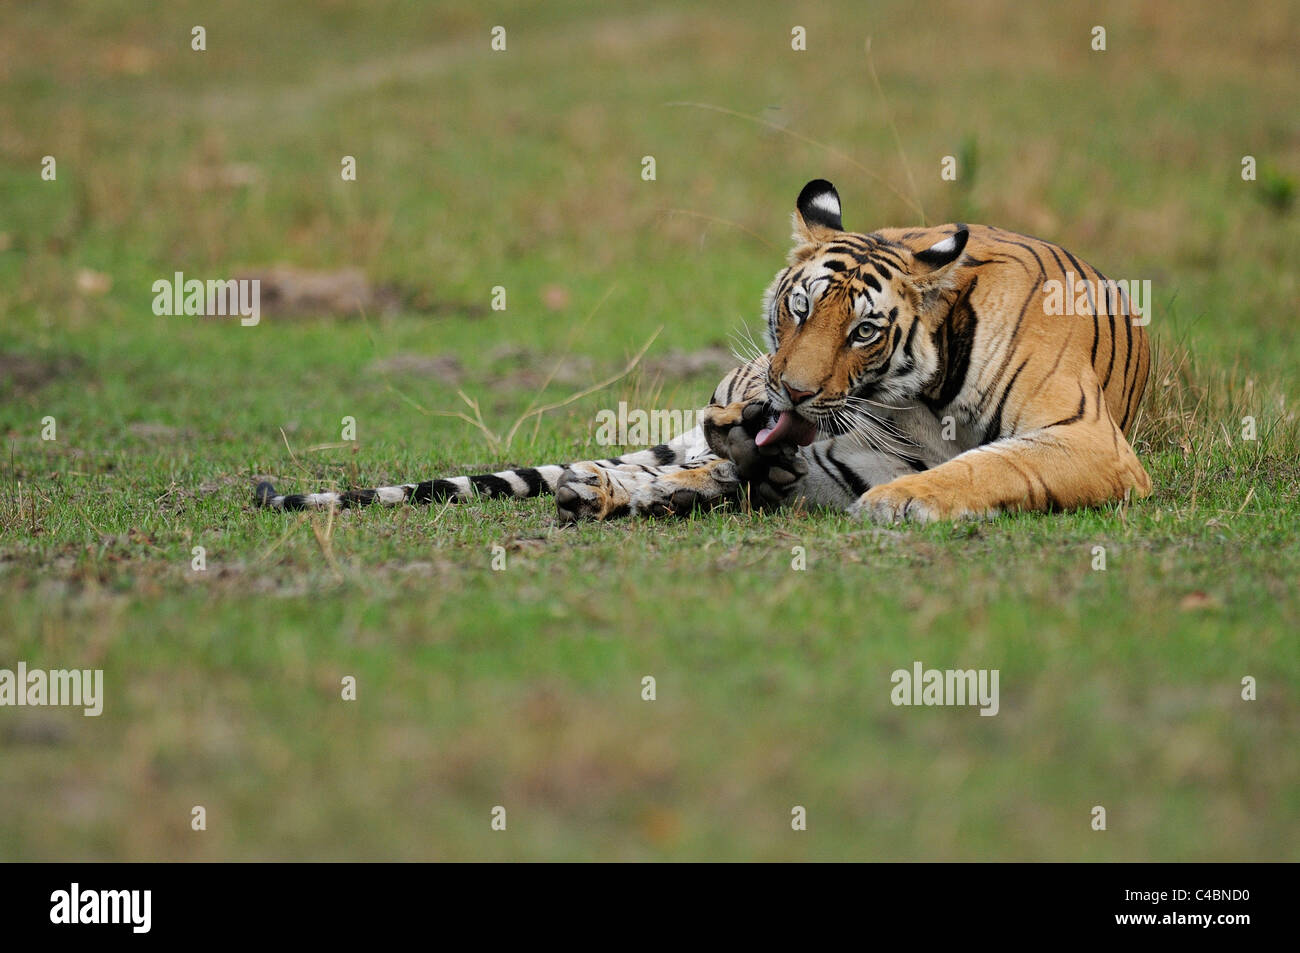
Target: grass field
[[522, 688]]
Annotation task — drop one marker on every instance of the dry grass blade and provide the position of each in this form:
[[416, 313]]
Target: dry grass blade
[[898, 141], [601, 385], [915, 206], [293, 528], [325, 539], [721, 221]]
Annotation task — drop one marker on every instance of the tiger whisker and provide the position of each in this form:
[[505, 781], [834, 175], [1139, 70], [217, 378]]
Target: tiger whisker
[[875, 403], [745, 349], [869, 431]]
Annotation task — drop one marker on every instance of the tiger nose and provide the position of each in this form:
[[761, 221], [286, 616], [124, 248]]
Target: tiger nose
[[796, 396]]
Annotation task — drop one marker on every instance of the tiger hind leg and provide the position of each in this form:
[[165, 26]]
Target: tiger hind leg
[[591, 491], [721, 464]]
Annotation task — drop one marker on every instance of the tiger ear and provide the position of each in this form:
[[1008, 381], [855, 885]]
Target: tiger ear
[[934, 269], [942, 256], [817, 213]]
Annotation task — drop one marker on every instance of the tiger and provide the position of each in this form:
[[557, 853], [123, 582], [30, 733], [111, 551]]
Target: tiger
[[911, 375]]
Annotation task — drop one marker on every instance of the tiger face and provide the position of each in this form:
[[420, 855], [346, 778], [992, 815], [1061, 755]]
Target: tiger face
[[850, 321]]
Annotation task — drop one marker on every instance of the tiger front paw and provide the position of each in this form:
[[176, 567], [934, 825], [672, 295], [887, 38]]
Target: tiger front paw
[[771, 475], [688, 490], [905, 500]]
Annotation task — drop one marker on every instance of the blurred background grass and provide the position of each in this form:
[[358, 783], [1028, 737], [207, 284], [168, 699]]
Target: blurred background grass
[[522, 169]]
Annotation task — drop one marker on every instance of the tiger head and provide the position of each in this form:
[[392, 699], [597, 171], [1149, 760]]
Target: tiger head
[[850, 322]]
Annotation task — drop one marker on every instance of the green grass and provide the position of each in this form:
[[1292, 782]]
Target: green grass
[[522, 687]]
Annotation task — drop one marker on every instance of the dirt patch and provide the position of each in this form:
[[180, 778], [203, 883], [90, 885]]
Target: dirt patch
[[24, 374], [445, 367], [678, 364], [290, 292], [520, 367], [525, 369], [294, 292], [39, 730], [153, 431], [216, 176], [178, 497]]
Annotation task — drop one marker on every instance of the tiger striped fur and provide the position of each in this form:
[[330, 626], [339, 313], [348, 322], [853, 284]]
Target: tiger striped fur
[[912, 374]]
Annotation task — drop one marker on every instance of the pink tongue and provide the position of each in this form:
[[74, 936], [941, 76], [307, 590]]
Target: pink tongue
[[789, 428]]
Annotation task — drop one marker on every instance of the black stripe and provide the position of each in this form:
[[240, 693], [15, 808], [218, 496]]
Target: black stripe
[[663, 454], [1029, 483], [1097, 309], [858, 485], [887, 249], [954, 340], [1015, 331], [892, 259], [357, 498], [1114, 340], [1043, 381], [1128, 335], [1032, 238], [491, 485], [1078, 415], [1096, 325], [533, 479], [1141, 375], [818, 456], [1134, 396], [295, 501], [1059, 263], [859, 255], [1042, 269], [731, 388], [907, 343], [431, 491], [994, 429]]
